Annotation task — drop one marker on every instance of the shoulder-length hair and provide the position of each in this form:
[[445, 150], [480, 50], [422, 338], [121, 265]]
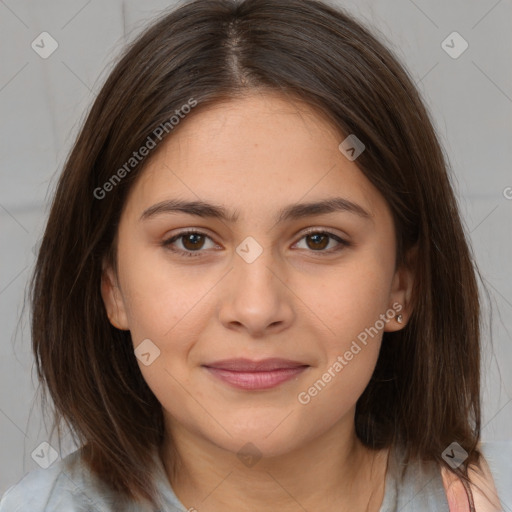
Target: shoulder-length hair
[[425, 390]]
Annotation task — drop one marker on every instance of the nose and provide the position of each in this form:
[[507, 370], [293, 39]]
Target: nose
[[256, 297]]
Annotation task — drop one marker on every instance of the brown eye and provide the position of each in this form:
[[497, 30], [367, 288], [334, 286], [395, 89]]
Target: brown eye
[[317, 241], [192, 241]]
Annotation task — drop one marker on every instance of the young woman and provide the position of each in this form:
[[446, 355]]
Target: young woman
[[254, 291]]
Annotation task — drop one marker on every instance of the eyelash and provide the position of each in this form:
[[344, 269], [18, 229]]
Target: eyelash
[[168, 243]]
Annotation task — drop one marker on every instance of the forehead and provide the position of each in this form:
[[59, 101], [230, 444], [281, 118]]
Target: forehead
[[254, 155]]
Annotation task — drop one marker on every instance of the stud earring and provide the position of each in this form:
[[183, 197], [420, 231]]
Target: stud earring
[[399, 319]]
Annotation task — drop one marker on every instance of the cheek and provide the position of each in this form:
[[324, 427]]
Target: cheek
[[334, 392], [162, 298], [351, 310], [351, 299], [349, 306]]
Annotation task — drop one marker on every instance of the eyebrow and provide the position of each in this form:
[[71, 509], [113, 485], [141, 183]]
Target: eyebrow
[[291, 212]]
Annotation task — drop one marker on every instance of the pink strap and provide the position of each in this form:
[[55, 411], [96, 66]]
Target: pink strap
[[458, 493]]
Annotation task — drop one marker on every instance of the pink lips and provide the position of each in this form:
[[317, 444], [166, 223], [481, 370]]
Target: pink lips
[[247, 374]]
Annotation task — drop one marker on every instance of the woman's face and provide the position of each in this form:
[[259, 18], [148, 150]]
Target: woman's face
[[260, 286]]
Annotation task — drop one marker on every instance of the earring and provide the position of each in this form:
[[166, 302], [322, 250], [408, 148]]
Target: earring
[[399, 319]]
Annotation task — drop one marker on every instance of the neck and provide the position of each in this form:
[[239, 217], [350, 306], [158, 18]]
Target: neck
[[325, 474]]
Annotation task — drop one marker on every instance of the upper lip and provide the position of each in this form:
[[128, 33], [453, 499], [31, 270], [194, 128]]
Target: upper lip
[[248, 365]]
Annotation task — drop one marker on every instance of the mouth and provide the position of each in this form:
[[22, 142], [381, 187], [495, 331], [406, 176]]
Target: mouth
[[255, 375]]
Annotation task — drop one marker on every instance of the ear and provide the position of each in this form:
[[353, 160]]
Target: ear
[[113, 299], [401, 291]]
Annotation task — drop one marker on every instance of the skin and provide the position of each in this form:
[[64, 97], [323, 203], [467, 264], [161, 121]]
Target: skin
[[255, 155], [485, 495]]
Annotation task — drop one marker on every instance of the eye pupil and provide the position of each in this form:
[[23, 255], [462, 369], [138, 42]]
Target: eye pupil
[[191, 238], [316, 236]]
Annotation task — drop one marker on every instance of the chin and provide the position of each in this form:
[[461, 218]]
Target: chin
[[259, 443]]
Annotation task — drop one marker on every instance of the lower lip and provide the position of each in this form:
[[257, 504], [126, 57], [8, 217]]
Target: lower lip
[[256, 380]]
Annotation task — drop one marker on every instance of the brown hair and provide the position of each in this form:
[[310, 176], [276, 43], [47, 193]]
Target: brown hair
[[425, 391]]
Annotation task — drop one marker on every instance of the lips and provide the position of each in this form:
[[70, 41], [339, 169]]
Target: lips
[[255, 375], [247, 365]]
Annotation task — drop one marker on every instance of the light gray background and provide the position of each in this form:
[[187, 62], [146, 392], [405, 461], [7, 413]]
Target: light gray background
[[42, 102]]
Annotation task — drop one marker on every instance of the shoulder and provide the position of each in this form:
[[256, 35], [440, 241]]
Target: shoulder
[[65, 485], [491, 483]]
